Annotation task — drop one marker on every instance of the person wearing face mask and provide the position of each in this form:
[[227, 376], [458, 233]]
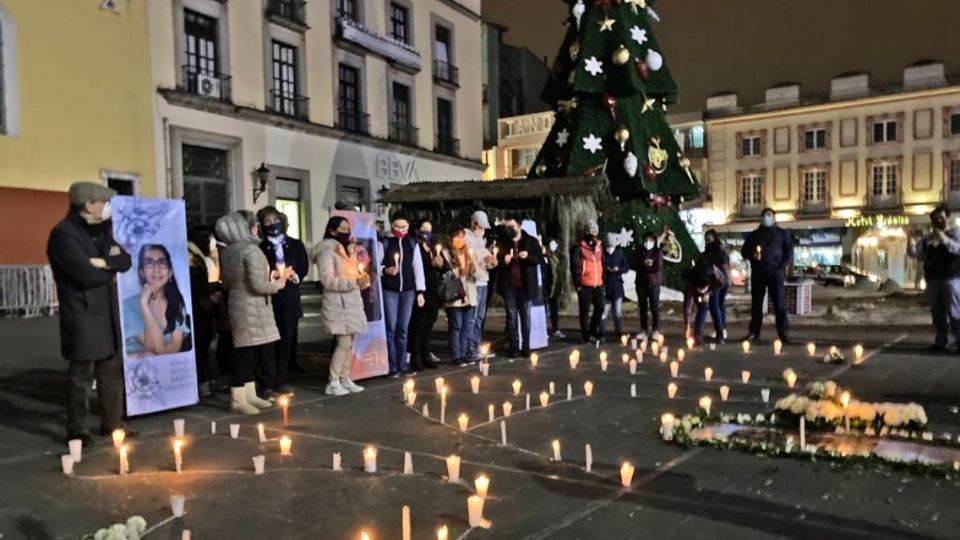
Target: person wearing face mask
[[484, 262], [939, 250], [716, 253], [648, 267], [204, 299], [586, 267], [85, 260], [769, 250], [701, 281], [614, 267], [551, 286], [518, 257], [460, 312], [424, 317], [403, 283]]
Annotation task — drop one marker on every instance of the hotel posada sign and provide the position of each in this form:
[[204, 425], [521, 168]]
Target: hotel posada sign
[[879, 221]]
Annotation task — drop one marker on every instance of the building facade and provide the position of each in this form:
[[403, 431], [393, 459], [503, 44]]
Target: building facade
[[305, 104], [851, 173]]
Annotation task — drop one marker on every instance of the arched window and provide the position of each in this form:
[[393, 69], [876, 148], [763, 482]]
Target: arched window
[[9, 102]]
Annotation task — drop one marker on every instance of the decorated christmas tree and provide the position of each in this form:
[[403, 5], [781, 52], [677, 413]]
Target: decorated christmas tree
[[610, 87]]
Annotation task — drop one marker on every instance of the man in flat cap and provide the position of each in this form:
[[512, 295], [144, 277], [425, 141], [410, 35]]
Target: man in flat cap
[[85, 261]]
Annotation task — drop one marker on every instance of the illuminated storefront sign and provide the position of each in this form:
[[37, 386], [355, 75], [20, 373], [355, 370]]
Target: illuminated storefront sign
[[880, 221]]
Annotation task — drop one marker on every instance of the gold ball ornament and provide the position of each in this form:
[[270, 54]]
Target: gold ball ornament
[[621, 56], [622, 135], [541, 170], [574, 50]]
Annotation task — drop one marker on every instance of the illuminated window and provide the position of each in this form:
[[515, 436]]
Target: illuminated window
[[751, 190]]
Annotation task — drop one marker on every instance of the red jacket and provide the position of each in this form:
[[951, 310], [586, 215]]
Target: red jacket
[[587, 264]]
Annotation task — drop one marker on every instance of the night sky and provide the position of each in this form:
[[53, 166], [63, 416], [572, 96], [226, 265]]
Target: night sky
[[748, 45]]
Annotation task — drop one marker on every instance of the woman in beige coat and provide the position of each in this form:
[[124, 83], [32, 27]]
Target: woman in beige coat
[[248, 284], [342, 309], [461, 312]]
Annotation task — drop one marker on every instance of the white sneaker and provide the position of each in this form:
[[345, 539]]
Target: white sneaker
[[559, 335], [656, 335], [642, 336], [724, 333], [336, 389], [351, 386]]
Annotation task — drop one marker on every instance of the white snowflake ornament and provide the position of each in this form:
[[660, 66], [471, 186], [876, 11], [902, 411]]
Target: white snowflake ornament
[[639, 35], [562, 136], [631, 164], [593, 66], [592, 144]]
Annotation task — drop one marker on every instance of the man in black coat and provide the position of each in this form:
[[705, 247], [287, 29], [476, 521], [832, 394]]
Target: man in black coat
[[518, 260], [425, 316], [769, 250], [85, 260], [288, 254]]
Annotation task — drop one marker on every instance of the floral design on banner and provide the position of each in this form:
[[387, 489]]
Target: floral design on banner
[[136, 223], [143, 384]]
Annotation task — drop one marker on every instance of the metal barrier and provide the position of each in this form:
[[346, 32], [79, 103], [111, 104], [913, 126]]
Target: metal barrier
[[27, 291]]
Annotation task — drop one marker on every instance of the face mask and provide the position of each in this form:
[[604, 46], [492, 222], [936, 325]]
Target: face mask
[[397, 233], [553, 246], [343, 238], [768, 221], [107, 211], [610, 250], [426, 236], [511, 232], [273, 229], [648, 244], [589, 237], [458, 243]]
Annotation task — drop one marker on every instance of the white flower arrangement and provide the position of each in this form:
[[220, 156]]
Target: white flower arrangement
[[833, 356], [822, 405], [132, 530]]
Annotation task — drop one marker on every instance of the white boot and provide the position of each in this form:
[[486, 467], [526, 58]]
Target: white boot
[[239, 403], [250, 390], [336, 389], [351, 386]]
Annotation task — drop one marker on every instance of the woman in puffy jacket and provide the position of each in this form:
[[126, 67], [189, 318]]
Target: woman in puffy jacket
[[342, 310]]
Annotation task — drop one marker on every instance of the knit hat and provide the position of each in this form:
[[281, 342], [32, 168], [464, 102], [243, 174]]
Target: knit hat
[[592, 227], [480, 218], [82, 192]]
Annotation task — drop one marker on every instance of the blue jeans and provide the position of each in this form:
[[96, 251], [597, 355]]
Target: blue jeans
[[397, 310], [718, 308], [518, 319], [616, 306], [460, 328], [701, 318], [648, 296], [475, 329]]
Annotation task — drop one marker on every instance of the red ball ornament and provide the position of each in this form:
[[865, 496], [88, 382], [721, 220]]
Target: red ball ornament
[[649, 173], [643, 70], [610, 104]]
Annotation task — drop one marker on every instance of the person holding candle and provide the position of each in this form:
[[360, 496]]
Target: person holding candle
[[551, 286], [769, 250], [461, 312], [716, 252], [249, 283], [424, 317], [342, 309], [403, 284], [701, 281], [518, 257], [939, 251], [648, 267], [484, 261], [85, 260], [204, 299], [289, 257], [615, 265]]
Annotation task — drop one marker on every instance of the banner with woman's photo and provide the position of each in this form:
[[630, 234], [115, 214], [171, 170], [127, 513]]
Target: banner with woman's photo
[[369, 358], [155, 309]]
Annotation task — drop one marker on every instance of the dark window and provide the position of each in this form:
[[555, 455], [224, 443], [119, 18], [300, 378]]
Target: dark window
[[884, 180], [444, 119], [284, 78], [201, 34], [401, 105], [347, 9], [954, 120], [349, 98], [399, 23], [206, 182], [353, 192], [750, 146], [954, 174], [885, 131], [123, 186], [815, 139]]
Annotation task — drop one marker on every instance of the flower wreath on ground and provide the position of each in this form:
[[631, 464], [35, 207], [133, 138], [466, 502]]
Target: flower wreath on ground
[[134, 528]]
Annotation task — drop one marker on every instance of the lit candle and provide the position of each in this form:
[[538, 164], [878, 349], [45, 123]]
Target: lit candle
[[623, 340], [691, 342], [118, 436], [177, 505], [625, 358], [534, 360], [632, 366], [516, 387], [790, 377], [463, 420], [259, 462], [633, 343], [281, 268], [643, 346], [603, 356], [666, 426], [811, 349], [724, 392], [124, 461], [482, 485], [803, 434], [555, 444], [765, 395], [475, 384], [360, 269], [453, 469], [574, 360], [178, 425], [411, 399], [603, 364], [370, 459], [705, 403], [674, 369], [857, 354], [443, 405], [364, 535], [663, 357], [746, 347], [588, 388], [553, 389], [503, 433], [178, 454], [544, 399], [408, 387], [439, 248], [474, 510], [777, 346], [337, 464], [438, 383], [407, 463], [507, 407], [213, 427], [588, 451], [285, 444], [655, 348], [639, 356], [443, 533], [671, 390], [633, 390], [845, 401], [660, 340], [490, 412], [528, 401], [66, 463], [405, 533], [396, 259], [707, 373], [484, 368], [626, 474], [681, 354], [484, 350], [262, 433], [745, 376]]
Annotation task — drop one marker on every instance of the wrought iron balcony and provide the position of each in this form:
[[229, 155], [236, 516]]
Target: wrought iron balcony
[[289, 104], [294, 11], [448, 145], [206, 83], [446, 72], [401, 54], [404, 133], [353, 120]]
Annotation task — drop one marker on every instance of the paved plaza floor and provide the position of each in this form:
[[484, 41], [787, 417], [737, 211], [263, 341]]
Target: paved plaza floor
[[676, 493]]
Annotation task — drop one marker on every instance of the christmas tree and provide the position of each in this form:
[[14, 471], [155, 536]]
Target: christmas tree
[[610, 87]]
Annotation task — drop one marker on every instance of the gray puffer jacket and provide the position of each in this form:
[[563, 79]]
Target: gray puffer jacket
[[342, 308], [246, 280]]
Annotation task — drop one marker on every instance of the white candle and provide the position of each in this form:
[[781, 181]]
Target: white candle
[[857, 354], [574, 360], [544, 399], [453, 469], [626, 474], [707, 373], [405, 523], [534, 360], [118, 436], [178, 454], [475, 384], [603, 364], [603, 357], [490, 412], [569, 391], [724, 392], [408, 387], [185, 535], [745, 376], [553, 389], [507, 407], [259, 462], [425, 410], [777, 346], [633, 389], [623, 340], [66, 463], [663, 356], [655, 348], [660, 340], [370, 460], [412, 398], [633, 343], [516, 387], [528, 401], [178, 425], [76, 449], [443, 405], [632, 366], [705, 403], [474, 510], [482, 485], [213, 428], [124, 461], [337, 461], [790, 377], [503, 433], [746, 346], [845, 401], [690, 343], [438, 383], [672, 390], [643, 346], [485, 368], [462, 421], [407, 463], [178, 505], [234, 431], [666, 426], [811, 349], [674, 369], [555, 444], [681, 354], [285, 444], [484, 350], [443, 533], [765, 394], [262, 433], [803, 434], [588, 388], [639, 355]]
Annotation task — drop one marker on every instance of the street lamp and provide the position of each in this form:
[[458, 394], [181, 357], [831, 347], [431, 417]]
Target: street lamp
[[263, 174]]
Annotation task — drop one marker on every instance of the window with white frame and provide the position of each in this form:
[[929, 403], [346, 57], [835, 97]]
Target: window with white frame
[[883, 179], [347, 9], [750, 146], [814, 185], [751, 190], [400, 22], [884, 131], [815, 139], [953, 175]]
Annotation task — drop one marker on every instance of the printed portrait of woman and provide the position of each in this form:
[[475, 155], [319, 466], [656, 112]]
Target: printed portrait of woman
[[156, 320]]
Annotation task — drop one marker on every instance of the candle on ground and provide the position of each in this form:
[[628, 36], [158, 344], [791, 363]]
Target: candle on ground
[[475, 384], [507, 407], [745, 376], [544, 399], [462, 421], [516, 387], [643, 346], [118, 437], [285, 444], [707, 373], [534, 360], [178, 454], [234, 431], [626, 474], [474, 510], [490, 412], [453, 468], [633, 366], [259, 462], [484, 368], [407, 463], [633, 389], [690, 343], [574, 360], [777, 346], [724, 392], [124, 460], [370, 460], [412, 398], [633, 343], [443, 533], [262, 433], [408, 387], [624, 358], [639, 355], [528, 401], [746, 346], [790, 377], [660, 340], [438, 383], [178, 425], [405, 532], [765, 395], [66, 463], [588, 461], [663, 356], [443, 405], [811, 349], [674, 369], [654, 348], [503, 433], [666, 426], [603, 364], [623, 340], [588, 388], [681, 354], [555, 444], [337, 461], [425, 410], [484, 349], [553, 389], [857, 354], [803, 434], [671, 390], [364, 535], [603, 357], [482, 484], [845, 401], [569, 391], [705, 403], [213, 427]]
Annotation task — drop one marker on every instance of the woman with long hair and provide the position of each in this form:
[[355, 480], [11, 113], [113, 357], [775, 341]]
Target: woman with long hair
[[342, 279], [461, 312], [156, 320]]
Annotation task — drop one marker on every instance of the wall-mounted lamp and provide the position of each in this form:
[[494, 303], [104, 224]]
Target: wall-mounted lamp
[[263, 174]]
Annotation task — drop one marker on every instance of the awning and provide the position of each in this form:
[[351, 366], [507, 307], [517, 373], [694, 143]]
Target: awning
[[429, 193]]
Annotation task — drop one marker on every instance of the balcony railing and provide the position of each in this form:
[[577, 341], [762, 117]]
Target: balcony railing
[[206, 83], [750, 211], [353, 120], [814, 207], [448, 145], [294, 11], [288, 104], [350, 31], [404, 133], [883, 202], [446, 72]]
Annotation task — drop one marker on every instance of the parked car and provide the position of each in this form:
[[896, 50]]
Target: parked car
[[841, 275], [812, 272]]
